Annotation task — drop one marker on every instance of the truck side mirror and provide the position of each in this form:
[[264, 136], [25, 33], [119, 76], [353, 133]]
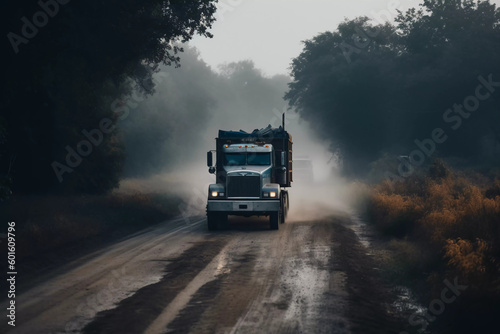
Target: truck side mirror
[[283, 158], [210, 162], [211, 170]]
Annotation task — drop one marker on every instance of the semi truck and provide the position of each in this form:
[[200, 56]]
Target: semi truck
[[252, 171]]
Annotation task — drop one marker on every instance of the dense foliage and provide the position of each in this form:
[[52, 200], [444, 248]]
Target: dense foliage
[[67, 64], [376, 89]]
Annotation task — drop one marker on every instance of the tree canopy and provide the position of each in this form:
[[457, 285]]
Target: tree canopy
[[374, 89], [67, 63]]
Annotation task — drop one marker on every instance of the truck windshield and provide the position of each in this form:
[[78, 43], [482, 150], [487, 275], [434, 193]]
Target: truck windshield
[[259, 159], [235, 159], [253, 159]]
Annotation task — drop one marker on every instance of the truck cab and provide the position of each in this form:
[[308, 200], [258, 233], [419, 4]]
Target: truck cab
[[252, 173]]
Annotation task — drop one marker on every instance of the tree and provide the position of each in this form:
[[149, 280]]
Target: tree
[[68, 63], [447, 45], [342, 86], [376, 89]]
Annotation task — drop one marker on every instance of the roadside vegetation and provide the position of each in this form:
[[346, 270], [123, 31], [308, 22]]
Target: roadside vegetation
[[46, 224], [445, 224], [66, 88]]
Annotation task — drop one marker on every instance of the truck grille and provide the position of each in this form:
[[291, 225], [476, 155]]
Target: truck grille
[[243, 186]]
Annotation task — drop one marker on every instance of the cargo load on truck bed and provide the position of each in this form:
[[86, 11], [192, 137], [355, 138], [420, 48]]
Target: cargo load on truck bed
[[268, 132]]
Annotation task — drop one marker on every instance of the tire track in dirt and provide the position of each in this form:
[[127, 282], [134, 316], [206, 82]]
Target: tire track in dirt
[[369, 298], [218, 304], [135, 313], [96, 282], [298, 290]]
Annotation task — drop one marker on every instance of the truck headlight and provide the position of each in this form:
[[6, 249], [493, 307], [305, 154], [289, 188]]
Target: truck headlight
[[272, 194], [214, 194]]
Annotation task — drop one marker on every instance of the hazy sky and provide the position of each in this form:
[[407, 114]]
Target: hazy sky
[[270, 32]]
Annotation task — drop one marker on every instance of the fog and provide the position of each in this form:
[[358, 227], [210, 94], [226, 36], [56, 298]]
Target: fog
[[168, 134]]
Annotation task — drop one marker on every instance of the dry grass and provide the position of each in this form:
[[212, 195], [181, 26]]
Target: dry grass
[[438, 210], [453, 216], [48, 223]]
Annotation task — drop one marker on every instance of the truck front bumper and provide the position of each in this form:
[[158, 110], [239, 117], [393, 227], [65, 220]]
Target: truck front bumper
[[243, 207]]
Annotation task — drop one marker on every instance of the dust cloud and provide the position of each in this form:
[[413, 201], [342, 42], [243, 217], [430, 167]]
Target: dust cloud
[[323, 192], [167, 136]]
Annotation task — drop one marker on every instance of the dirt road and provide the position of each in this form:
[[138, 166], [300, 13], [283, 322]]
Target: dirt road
[[307, 277]]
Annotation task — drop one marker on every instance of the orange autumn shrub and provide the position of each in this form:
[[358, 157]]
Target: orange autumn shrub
[[441, 212], [469, 258], [444, 225], [395, 213], [439, 223]]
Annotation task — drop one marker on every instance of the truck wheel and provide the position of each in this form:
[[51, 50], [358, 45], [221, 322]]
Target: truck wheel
[[285, 203], [274, 220], [283, 210], [212, 221], [287, 198]]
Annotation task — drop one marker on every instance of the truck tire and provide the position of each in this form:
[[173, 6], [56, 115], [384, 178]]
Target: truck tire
[[274, 219], [212, 221], [287, 201], [282, 210], [285, 204]]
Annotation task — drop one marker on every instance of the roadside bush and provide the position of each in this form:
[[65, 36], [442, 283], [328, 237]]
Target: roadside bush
[[444, 224], [395, 214], [55, 222], [466, 256]]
